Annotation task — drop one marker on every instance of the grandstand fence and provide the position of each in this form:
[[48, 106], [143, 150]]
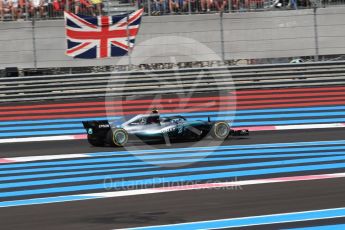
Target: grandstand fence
[[53, 9], [188, 38]]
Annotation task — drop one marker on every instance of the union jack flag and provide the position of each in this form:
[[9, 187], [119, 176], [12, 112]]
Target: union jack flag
[[101, 37]]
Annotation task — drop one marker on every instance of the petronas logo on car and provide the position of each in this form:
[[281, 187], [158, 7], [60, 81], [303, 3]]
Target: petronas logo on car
[[168, 130]]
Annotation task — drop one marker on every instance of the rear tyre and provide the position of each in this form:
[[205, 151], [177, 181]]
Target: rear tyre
[[95, 141], [220, 131], [120, 137], [109, 138]]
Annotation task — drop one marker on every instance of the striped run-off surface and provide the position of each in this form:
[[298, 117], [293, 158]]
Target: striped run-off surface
[[265, 109], [49, 179], [261, 220]]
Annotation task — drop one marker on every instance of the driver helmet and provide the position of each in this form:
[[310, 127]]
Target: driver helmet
[[155, 110]]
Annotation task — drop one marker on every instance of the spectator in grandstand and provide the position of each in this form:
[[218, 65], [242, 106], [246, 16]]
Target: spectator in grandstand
[[177, 5], [235, 5], [54, 8], [17, 8], [141, 4], [48, 6], [57, 5], [244, 5], [173, 5], [206, 5], [36, 5], [292, 4], [83, 4], [220, 5], [6, 6], [159, 7], [307, 3], [194, 5], [97, 4], [278, 4]]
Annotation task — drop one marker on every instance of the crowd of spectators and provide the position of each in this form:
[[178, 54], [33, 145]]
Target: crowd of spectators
[[161, 7], [179, 6], [20, 9]]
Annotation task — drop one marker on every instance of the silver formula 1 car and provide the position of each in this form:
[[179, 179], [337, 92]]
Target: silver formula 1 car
[[153, 128]]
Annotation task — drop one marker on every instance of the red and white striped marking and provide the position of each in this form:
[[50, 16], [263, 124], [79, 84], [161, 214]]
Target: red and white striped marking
[[287, 127], [5, 160], [44, 138]]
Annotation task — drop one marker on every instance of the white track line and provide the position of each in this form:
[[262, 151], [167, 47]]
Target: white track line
[[232, 185], [143, 152], [44, 138]]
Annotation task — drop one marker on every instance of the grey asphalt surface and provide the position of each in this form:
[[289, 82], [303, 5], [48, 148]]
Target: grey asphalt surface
[[178, 207], [81, 146]]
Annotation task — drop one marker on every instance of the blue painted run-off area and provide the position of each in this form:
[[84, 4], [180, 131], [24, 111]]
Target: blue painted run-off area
[[242, 118], [255, 220]]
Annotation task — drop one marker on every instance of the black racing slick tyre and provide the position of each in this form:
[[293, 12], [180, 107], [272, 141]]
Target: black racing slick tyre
[[220, 131], [94, 141], [109, 138], [120, 137]]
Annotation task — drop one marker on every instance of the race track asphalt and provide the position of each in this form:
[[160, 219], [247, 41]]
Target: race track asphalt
[[81, 146], [180, 206]]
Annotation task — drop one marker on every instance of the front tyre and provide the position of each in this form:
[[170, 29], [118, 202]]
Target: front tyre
[[220, 131], [120, 137]]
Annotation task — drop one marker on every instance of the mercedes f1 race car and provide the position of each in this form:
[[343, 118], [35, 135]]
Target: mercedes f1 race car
[[152, 127]]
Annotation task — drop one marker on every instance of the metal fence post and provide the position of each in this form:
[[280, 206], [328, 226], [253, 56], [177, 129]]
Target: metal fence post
[[316, 34], [149, 7], [108, 7], [34, 42], [27, 10], [189, 7], [67, 5], [222, 35], [128, 44]]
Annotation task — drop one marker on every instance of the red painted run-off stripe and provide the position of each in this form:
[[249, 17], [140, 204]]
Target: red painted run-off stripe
[[222, 108], [290, 90], [5, 161], [298, 98], [129, 102], [289, 95], [243, 94], [123, 108], [171, 103], [181, 107]]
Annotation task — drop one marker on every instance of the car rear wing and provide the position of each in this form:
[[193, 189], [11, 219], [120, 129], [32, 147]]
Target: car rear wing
[[96, 125]]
